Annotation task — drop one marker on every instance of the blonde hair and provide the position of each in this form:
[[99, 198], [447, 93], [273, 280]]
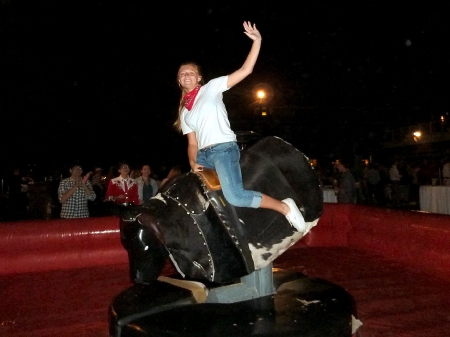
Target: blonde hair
[[177, 124]]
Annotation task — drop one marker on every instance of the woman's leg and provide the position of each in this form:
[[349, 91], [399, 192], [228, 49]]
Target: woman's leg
[[274, 204], [226, 163], [225, 158], [288, 208]]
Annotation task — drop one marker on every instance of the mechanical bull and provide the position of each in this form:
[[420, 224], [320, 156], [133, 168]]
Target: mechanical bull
[[209, 240], [223, 254]]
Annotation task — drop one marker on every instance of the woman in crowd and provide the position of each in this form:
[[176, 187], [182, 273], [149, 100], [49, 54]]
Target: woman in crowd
[[135, 173], [123, 189], [147, 186], [202, 116], [174, 171]]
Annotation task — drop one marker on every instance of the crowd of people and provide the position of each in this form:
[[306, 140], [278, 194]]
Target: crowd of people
[[78, 194], [393, 184], [81, 194]]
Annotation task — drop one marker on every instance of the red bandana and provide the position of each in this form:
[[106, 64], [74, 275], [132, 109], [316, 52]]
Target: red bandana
[[189, 98]]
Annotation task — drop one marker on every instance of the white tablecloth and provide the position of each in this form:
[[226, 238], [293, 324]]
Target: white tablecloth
[[435, 199], [329, 195]]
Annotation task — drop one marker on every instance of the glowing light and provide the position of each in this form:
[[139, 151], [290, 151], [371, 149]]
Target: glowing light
[[260, 94], [417, 135], [263, 113]]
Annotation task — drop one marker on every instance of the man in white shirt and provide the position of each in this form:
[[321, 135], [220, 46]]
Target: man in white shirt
[[395, 177]]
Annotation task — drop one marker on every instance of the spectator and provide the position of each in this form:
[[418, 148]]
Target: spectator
[[346, 188], [110, 175], [123, 189], [325, 174], [174, 171], [74, 193], [147, 186], [373, 184], [17, 194], [395, 177], [415, 188], [385, 183], [405, 182], [135, 173], [446, 172], [97, 184]]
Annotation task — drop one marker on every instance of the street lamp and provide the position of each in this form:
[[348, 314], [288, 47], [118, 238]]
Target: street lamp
[[417, 135], [261, 95]]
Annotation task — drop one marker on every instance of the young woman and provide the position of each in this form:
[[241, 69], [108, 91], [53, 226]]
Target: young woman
[[174, 171], [123, 189], [202, 116], [147, 186]]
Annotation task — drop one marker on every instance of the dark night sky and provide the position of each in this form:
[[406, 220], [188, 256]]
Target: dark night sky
[[97, 78]]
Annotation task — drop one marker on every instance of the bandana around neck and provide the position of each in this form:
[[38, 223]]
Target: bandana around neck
[[189, 98]]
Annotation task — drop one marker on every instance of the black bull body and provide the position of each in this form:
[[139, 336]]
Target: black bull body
[[209, 240]]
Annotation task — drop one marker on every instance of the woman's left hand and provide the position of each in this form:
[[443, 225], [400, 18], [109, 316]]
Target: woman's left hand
[[251, 31]]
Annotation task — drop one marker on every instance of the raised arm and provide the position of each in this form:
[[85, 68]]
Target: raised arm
[[247, 67]]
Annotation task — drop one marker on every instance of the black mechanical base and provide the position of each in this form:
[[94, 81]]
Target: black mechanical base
[[289, 304]]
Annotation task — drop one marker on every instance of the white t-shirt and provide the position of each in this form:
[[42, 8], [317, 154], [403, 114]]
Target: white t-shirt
[[208, 117], [394, 174]]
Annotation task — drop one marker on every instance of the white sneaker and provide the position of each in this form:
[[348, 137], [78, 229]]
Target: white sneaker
[[294, 216]]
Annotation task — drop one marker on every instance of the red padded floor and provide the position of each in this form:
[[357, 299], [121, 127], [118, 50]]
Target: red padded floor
[[392, 300], [69, 303], [60, 303]]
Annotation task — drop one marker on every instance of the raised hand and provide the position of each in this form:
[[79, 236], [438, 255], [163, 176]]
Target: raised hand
[[77, 182], [86, 177], [251, 31]]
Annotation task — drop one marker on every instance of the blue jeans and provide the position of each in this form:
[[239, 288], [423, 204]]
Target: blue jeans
[[224, 158]]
